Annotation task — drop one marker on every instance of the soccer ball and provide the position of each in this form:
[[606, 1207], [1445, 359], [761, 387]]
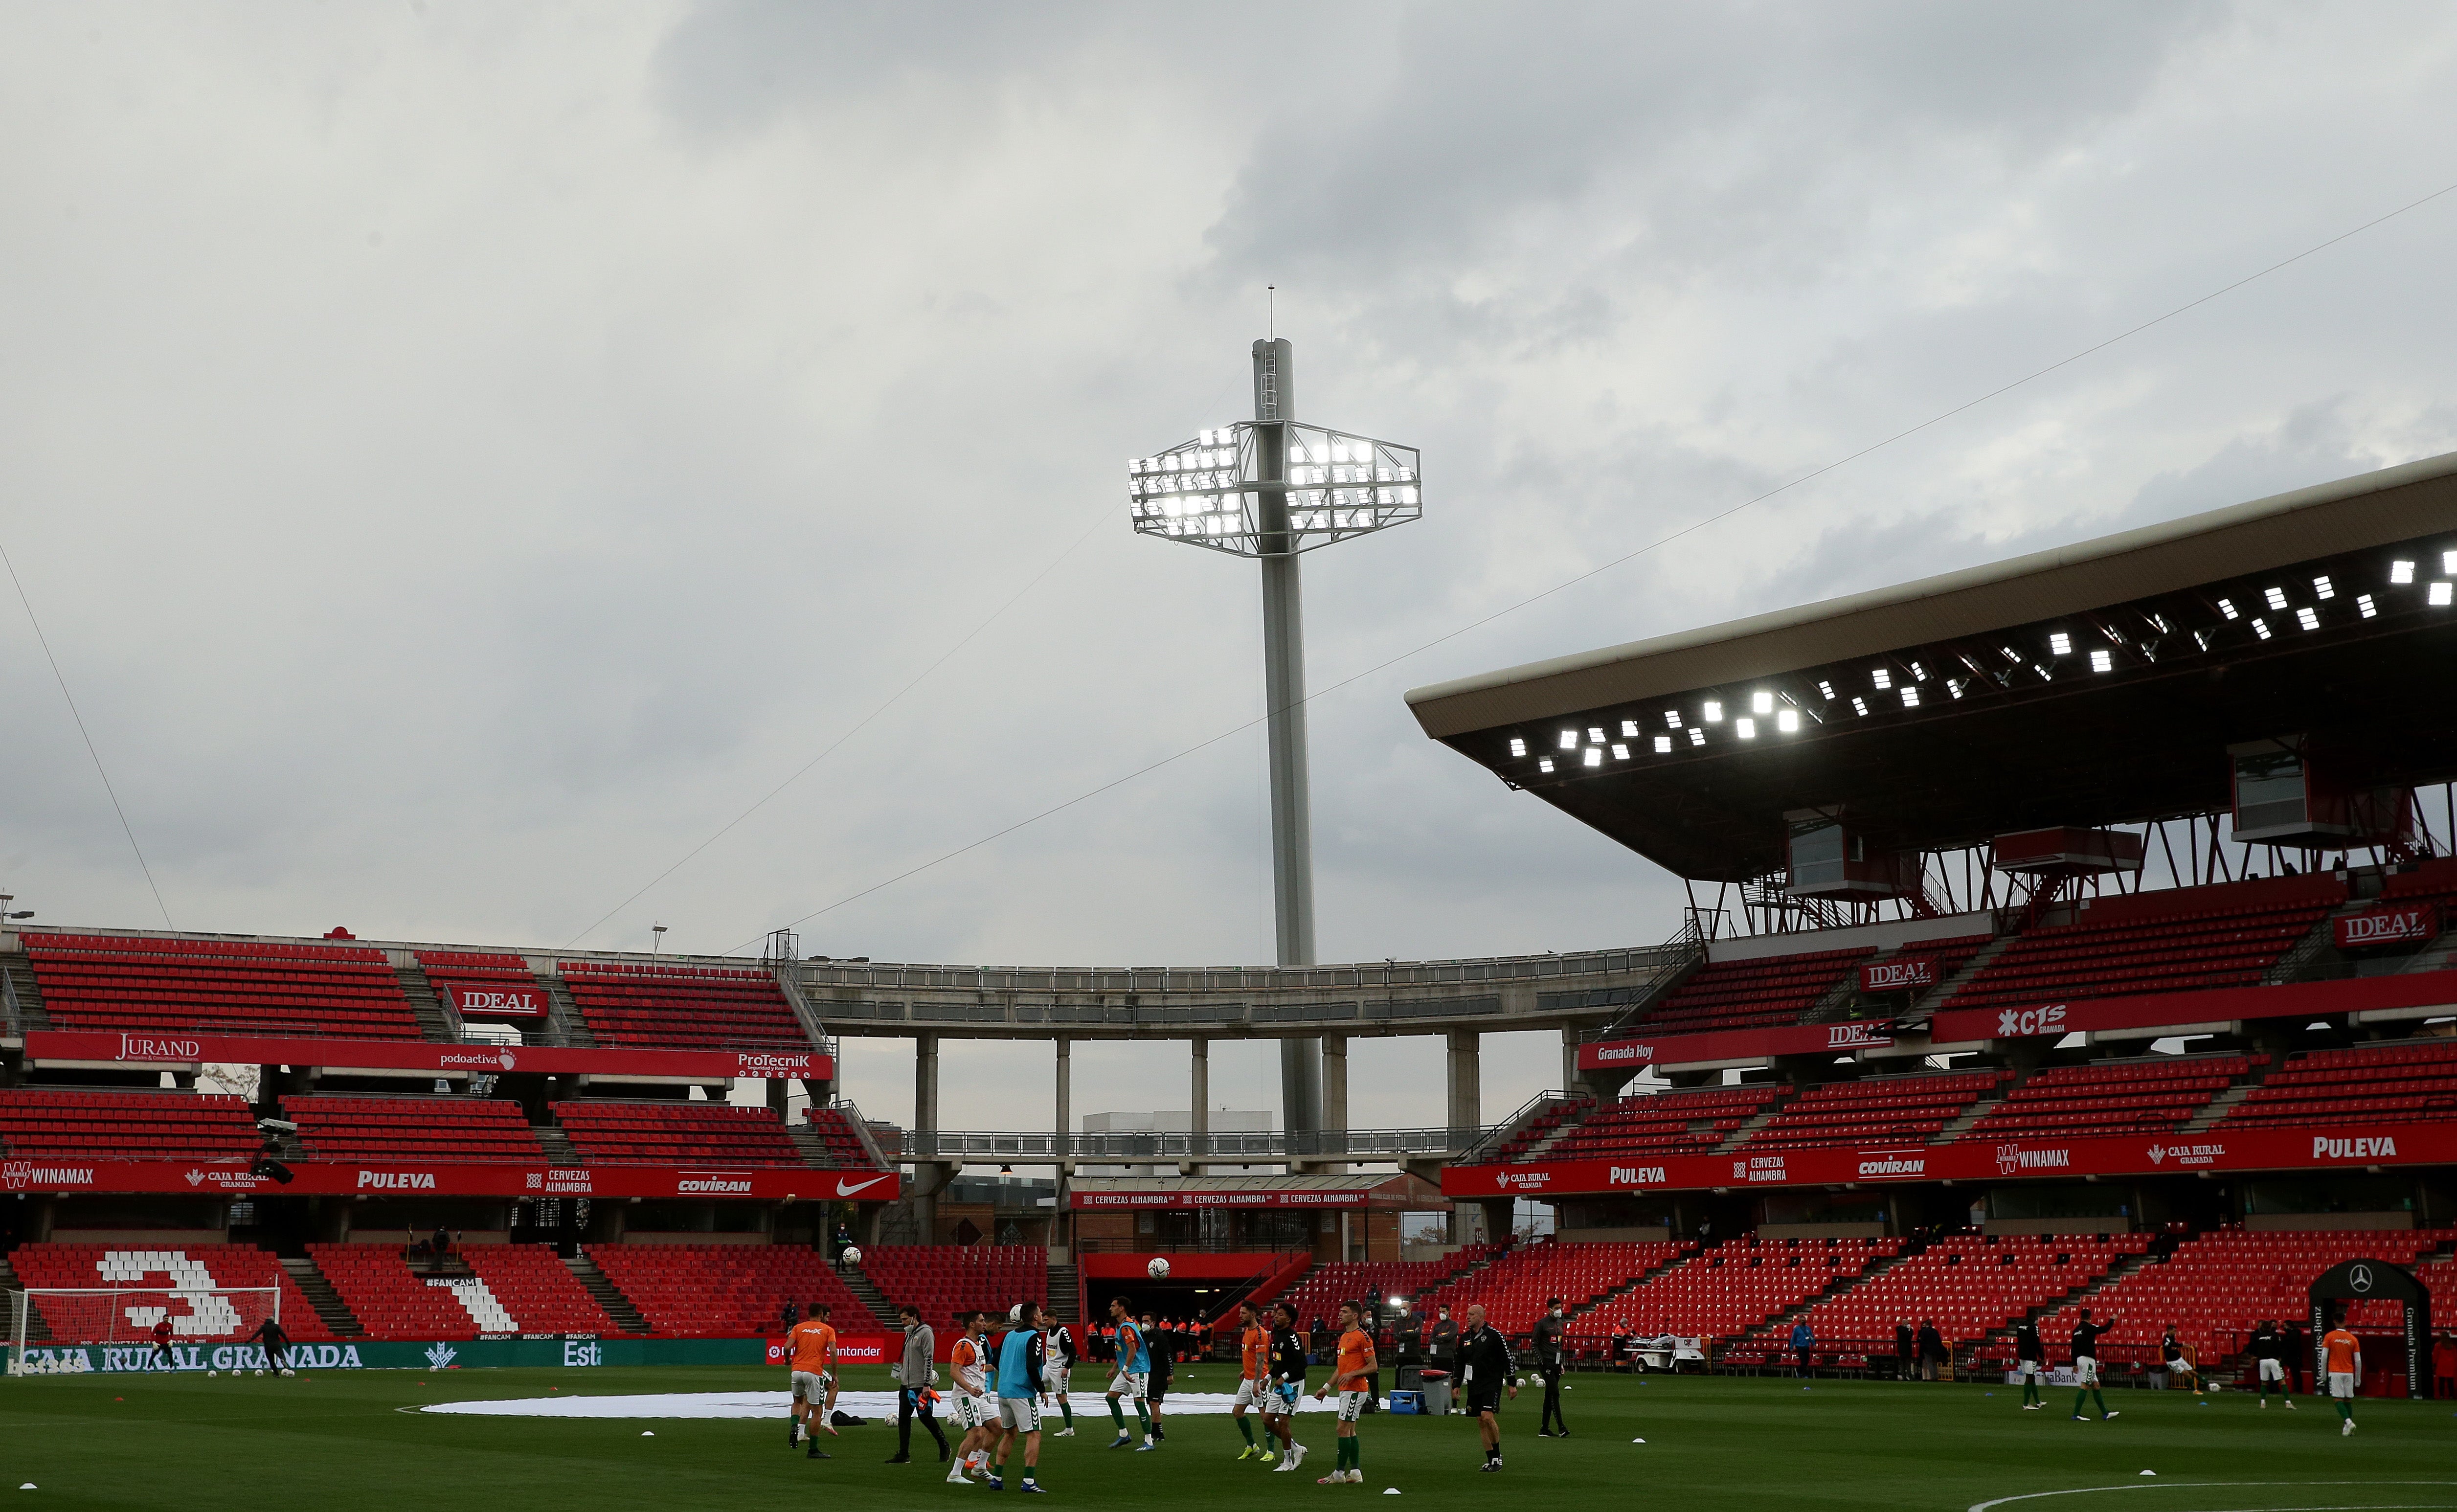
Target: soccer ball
[[1015, 1313], [287, 1371], [850, 1255], [1158, 1270], [211, 1374]]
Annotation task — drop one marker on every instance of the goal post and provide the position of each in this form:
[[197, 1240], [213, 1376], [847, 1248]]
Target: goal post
[[45, 1319]]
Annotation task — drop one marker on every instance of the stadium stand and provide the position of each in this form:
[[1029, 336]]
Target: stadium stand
[[725, 1290], [1733, 1289], [939, 1277], [2215, 1288], [1514, 1287], [1905, 1110], [1683, 1122], [2174, 940], [1970, 1284], [1747, 994], [457, 1129], [2361, 1085], [128, 981], [1539, 1127], [682, 1007], [2113, 1097], [1319, 1293], [515, 1289], [612, 1133], [476, 970], [184, 1266], [80, 1125], [843, 1142], [2435, 879]]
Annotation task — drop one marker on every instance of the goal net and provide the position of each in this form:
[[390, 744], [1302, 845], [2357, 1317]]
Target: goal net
[[48, 1324]]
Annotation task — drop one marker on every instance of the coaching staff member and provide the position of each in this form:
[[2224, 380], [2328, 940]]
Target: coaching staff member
[[1487, 1369], [1549, 1330], [1443, 1345]]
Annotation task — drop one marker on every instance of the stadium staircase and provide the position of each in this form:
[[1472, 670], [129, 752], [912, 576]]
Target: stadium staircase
[[323, 1298], [556, 1143], [1778, 1328], [1625, 1288], [2221, 1105], [1924, 1007], [813, 1147], [17, 977], [433, 1023], [1066, 1292], [606, 1293], [866, 1292], [564, 1025], [35, 1327], [1972, 1114], [1838, 1000], [1741, 1135]]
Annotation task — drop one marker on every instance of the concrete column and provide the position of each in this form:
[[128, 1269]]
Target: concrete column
[[1065, 1095], [1466, 1084], [1334, 1085], [928, 1175], [1569, 1059], [1201, 1122]]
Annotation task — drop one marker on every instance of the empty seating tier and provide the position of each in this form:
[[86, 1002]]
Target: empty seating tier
[[675, 1134], [2115, 1097], [1320, 1290], [726, 1290], [844, 1146], [1968, 1285], [1684, 1123], [683, 1007], [2167, 941], [496, 1289], [125, 1125], [1752, 994], [416, 1129], [2364, 1085], [2215, 1289], [1875, 1110], [538, 1289], [127, 981], [1513, 1289], [168, 1266], [468, 977], [941, 1278], [1734, 1288]]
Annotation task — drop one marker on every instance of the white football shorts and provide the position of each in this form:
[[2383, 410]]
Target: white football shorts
[[2341, 1383], [1280, 1399], [2273, 1370], [1352, 1405], [2026, 1367], [1131, 1387], [2085, 1369], [810, 1385], [1054, 1377], [1250, 1390], [971, 1412], [1021, 1414]]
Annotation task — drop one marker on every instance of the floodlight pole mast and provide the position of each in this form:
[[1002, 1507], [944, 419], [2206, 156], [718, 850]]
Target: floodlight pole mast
[[1284, 701]]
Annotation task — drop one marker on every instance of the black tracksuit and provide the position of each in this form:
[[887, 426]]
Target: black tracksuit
[[1486, 1365], [1548, 1364]]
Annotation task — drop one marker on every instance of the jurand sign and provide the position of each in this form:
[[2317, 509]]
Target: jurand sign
[[2300, 1149], [423, 1055]]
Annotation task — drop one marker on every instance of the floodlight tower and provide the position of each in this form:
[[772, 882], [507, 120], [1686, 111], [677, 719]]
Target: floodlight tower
[[1271, 489]]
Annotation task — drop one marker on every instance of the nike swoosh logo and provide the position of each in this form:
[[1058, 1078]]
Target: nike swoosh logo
[[844, 1190]]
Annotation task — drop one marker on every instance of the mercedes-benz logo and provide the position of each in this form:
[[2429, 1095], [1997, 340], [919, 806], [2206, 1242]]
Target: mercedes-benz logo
[[2360, 1278]]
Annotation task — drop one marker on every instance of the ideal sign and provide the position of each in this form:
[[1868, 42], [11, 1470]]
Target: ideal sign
[[2410, 925], [495, 1000], [1907, 974]]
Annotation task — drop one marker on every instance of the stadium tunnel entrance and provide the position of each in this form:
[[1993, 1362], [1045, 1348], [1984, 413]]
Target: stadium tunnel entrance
[[2364, 1281]]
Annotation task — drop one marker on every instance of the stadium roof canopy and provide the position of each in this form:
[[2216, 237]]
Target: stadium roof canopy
[[2095, 684]]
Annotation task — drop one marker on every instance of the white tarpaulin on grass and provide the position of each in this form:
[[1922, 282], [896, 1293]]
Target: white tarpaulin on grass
[[776, 1403]]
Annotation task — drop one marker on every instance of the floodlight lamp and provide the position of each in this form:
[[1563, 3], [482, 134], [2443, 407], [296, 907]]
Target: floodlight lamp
[[1517, 747], [1714, 711], [1860, 707], [1569, 739], [1621, 753], [1747, 727], [1595, 734], [1629, 729], [2226, 606], [2308, 618], [1788, 722], [1825, 688], [1672, 718], [2439, 596], [1697, 736], [1911, 697], [1883, 677], [2260, 630], [2448, 563], [2059, 644], [2325, 588], [2102, 662], [2363, 602], [1594, 755], [1545, 765], [2277, 597], [2401, 571], [1957, 686], [1662, 744]]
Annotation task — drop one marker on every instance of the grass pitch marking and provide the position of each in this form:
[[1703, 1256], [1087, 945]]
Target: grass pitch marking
[[2214, 1485], [769, 1404]]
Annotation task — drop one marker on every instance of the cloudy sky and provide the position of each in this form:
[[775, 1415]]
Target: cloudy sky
[[466, 454]]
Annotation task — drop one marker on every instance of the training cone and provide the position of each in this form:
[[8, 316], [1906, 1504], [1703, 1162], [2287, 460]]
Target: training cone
[[2149, 1472], [646, 1434], [1389, 1490], [1638, 1441]]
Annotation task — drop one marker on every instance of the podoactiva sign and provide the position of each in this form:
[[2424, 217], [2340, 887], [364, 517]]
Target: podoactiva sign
[[566, 1350]]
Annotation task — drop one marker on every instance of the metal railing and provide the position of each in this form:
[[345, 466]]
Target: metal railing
[[1485, 1151], [1350, 977], [1222, 1148]]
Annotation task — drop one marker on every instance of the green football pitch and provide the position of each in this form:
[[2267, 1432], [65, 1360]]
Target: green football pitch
[[336, 1439]]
